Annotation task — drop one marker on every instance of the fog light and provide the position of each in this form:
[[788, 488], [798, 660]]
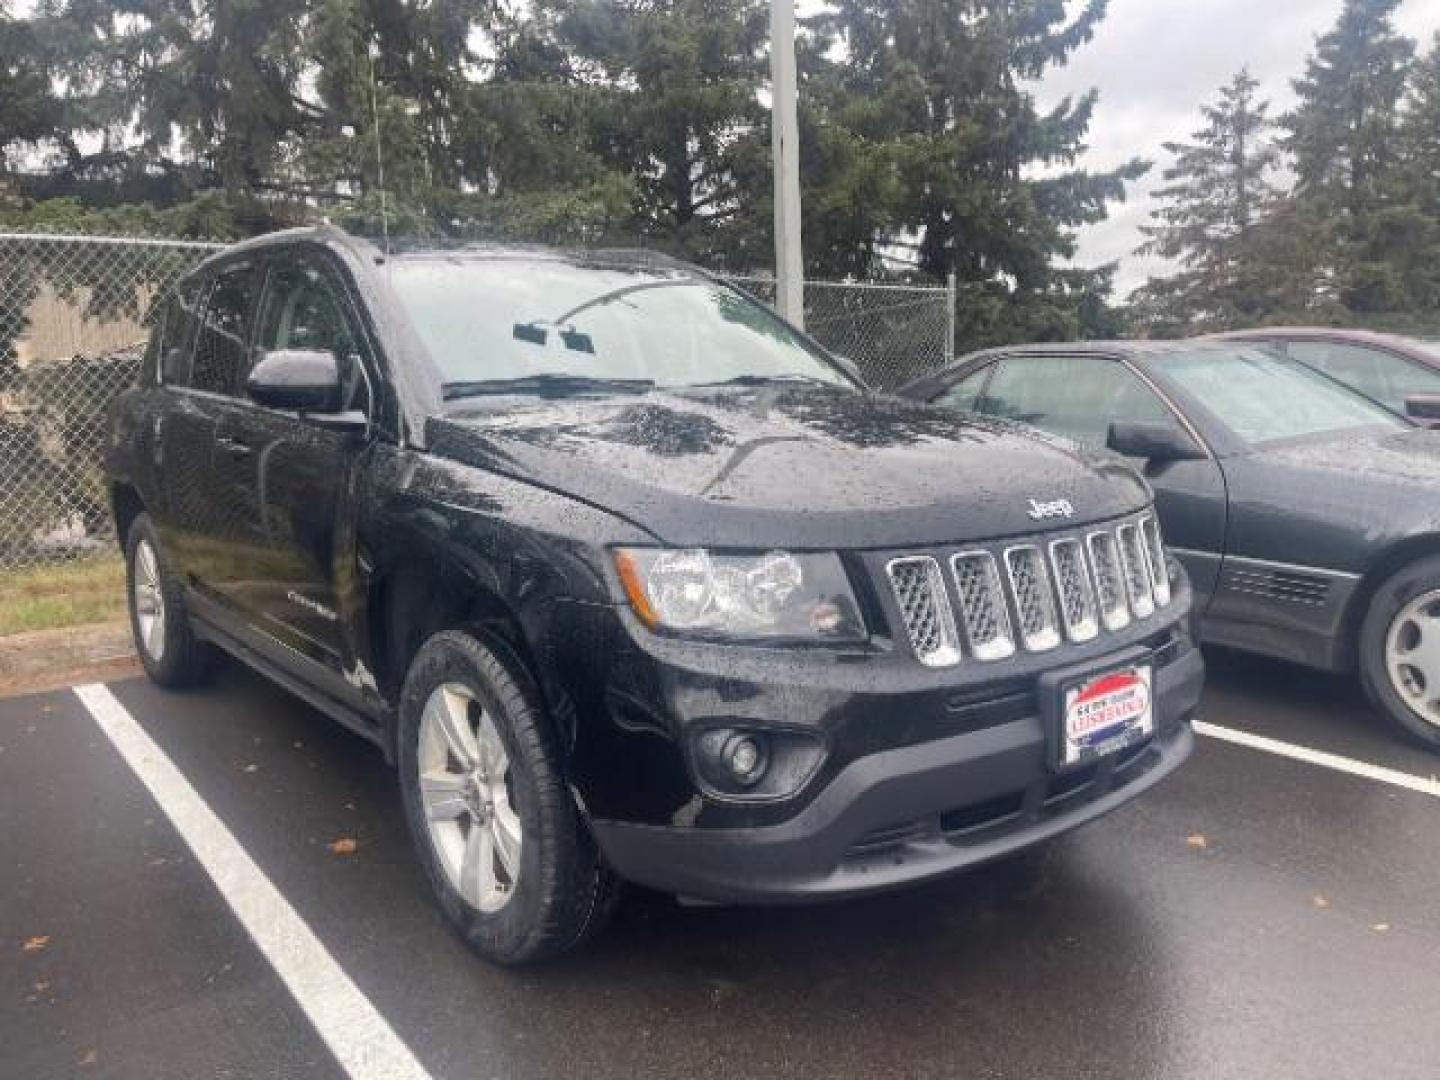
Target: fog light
[[745, 758]]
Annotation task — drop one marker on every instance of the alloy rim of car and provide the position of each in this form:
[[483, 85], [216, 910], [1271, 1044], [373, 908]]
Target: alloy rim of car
[[1412, 655], [149, 602], [467, 791]]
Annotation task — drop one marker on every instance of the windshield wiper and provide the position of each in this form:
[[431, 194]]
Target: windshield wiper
[[556, 385], [763, 380]]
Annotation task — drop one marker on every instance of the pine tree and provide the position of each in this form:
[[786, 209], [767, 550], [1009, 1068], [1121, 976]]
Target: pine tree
[[982, 184], [1344, 134], [1217, 192]]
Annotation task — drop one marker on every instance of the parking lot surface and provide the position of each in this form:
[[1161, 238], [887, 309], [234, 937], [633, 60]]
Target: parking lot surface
[[1254, 916]]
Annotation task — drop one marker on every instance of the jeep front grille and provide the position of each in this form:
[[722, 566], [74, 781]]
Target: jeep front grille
[[1067, 587], [1077, 595], [1034, 604], [1136, 571], [925, 609], [982, 606], [1109, 580]]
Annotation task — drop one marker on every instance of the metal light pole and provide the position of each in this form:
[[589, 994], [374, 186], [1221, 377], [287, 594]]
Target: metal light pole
[[785, 130]]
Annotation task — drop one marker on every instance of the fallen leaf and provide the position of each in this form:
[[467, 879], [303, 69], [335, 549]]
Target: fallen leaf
[[1321, 901], [344, 846], [252, 767], [1381, 927], [35, 944], [90, 1058], [1197, 840], [41, 987]]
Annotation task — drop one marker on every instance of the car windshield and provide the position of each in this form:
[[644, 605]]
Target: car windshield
[[1261, 397], [498, 325]]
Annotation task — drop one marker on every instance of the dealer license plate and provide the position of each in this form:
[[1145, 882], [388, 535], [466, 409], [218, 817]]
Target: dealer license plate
[[1106, 713]]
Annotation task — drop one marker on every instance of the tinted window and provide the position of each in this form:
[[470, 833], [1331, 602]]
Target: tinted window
[[965, 393], [1073, 396], [305, 308], [1262, 397], [506, 319], [1379, 375], [221, 358]]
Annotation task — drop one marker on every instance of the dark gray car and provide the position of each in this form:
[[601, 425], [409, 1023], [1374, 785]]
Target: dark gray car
[[1308, 517]]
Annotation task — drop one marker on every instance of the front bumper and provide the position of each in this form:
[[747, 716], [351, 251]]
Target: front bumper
[[898, 816]]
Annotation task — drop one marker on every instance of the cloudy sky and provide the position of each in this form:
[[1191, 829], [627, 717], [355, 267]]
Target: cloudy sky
[[1155, 61]]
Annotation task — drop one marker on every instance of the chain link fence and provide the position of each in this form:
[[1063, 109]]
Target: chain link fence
[[893, 333], [72, 329]]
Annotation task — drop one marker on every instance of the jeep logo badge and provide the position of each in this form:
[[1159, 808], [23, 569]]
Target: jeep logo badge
[[1055, 508]]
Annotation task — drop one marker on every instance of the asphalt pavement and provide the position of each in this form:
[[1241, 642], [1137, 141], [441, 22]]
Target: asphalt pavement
[[1254, 916]]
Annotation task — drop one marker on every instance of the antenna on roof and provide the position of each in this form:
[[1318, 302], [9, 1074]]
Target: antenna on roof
[[379, 151]]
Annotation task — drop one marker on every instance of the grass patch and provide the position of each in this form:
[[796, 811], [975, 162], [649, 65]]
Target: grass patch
[[66, 594]]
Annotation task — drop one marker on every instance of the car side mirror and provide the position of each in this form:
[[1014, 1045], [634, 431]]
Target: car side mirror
[[304, 380], [1155, 442], [1423, 409]]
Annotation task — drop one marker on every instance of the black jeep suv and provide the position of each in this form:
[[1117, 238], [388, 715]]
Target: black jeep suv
[[633, 581]]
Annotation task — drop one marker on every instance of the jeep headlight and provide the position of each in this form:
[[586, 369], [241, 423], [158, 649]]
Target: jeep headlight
[[765, 596]]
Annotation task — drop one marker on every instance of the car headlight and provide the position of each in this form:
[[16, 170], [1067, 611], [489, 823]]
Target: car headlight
[[760, 596]]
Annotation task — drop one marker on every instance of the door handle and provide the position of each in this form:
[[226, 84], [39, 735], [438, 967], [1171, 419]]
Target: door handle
[[234, 447]]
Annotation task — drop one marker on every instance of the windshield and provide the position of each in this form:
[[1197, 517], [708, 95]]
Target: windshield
[[526, 324], [1261, 397]]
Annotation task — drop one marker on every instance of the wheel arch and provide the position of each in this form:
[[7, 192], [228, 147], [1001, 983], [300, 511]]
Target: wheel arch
[[1390, 561], [126, 505], [417, 597]]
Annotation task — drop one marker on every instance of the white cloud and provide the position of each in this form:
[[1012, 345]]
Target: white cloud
[[1154, 63]]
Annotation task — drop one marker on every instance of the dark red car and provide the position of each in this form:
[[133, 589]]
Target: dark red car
[[1401, 373]]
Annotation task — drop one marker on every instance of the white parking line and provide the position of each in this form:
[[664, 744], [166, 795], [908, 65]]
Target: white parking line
[[1426, 785], [359, 1037]]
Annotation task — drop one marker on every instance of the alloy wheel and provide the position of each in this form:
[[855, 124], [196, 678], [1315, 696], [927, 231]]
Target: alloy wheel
[[1412, 655], [466, 787], [149, 601]]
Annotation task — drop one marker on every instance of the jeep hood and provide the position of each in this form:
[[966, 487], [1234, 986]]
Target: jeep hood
[[780, 466]]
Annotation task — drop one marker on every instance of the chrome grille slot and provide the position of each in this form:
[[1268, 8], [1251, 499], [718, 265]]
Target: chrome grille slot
[[1034, 604], [1155, 559], [1136, 573], [1109, 581], [983, 615], [1072, 585], [919, 591]]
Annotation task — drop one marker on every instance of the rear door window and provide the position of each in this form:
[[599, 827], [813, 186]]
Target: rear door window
[[1073, 396], [1379, 375], [222, 355]]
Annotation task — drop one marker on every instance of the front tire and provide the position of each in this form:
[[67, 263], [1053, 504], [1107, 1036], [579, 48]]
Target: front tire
[[1400, 651], [513, 866], [170, 652]]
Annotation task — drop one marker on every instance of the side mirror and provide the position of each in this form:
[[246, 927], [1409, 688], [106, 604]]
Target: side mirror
[[305, 380], [1155, 442], [1424, 409]]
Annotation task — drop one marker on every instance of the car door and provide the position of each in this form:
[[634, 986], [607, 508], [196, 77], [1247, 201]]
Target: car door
[[1078, 396], [1382, 376], [291, 479], [199, 525]]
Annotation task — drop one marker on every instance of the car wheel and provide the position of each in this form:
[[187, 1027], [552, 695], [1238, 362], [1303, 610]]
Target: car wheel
[[512, 863], [169, 650], [1400, 650]]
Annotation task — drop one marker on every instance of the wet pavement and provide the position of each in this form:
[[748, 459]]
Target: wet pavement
[[1252, 917]]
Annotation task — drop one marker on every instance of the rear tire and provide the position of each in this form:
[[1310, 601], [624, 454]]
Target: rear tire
[[170, 652], [1399, 648], [512, 864]]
